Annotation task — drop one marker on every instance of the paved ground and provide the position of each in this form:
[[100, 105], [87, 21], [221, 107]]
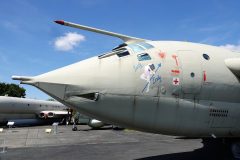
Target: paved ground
[[34, 143]]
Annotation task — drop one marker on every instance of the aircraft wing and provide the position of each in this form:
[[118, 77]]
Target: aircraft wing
[[125, 38]]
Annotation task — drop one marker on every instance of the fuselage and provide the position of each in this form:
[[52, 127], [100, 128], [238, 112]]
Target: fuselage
[[175, 88]]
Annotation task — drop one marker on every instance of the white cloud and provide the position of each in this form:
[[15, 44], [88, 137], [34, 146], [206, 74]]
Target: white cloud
[[68, 41], [232, 47]]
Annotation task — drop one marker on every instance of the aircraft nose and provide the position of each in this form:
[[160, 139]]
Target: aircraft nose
[[56, 82], [55, 90]]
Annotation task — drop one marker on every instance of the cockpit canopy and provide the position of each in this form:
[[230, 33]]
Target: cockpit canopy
[[123, 50], [139, 47]]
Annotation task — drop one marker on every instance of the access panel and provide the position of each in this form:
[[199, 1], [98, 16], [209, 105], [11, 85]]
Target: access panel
[[191, 71]]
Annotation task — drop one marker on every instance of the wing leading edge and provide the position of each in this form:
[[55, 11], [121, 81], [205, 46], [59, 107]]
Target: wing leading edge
[[125, 38]]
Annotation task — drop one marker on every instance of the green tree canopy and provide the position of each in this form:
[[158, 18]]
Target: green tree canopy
[[12, 90]]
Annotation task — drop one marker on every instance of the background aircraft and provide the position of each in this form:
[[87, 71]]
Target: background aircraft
[[24, 111], [167, 87]]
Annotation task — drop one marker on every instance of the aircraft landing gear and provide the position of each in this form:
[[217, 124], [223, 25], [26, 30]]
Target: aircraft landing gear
[[235, 148], [74, 128]]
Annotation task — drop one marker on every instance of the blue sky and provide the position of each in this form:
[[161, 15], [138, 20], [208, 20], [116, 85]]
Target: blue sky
[[31, 44]]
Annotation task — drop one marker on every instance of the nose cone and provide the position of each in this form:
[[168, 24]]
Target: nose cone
[[56, 82], [72, 74]]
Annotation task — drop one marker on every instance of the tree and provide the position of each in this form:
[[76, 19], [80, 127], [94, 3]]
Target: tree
[[12, 90]]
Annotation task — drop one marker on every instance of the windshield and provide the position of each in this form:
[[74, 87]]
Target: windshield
[[139, 47], [121, 50]]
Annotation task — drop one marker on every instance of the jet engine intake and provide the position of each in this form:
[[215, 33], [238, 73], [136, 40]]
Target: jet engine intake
[[91, 96]]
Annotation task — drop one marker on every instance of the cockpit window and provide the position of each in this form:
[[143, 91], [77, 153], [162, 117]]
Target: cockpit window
[[122, 50], [141, 46], [136, 48], [143, 57], [122, 53], [145, 45]]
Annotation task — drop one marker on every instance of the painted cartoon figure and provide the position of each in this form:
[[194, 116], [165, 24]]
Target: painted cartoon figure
[[147, 74]]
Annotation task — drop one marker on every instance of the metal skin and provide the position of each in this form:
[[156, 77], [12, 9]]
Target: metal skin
[[185, 93]]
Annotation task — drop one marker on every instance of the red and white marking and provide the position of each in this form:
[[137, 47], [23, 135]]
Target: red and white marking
[[176, 81], [175, 71], [204, 76], [175, 57], [162, 55]]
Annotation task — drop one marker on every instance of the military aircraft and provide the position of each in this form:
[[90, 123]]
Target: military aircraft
[[23, 111], [168, 87]]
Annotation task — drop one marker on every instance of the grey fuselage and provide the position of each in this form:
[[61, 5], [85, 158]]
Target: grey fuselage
[[182, 89]]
